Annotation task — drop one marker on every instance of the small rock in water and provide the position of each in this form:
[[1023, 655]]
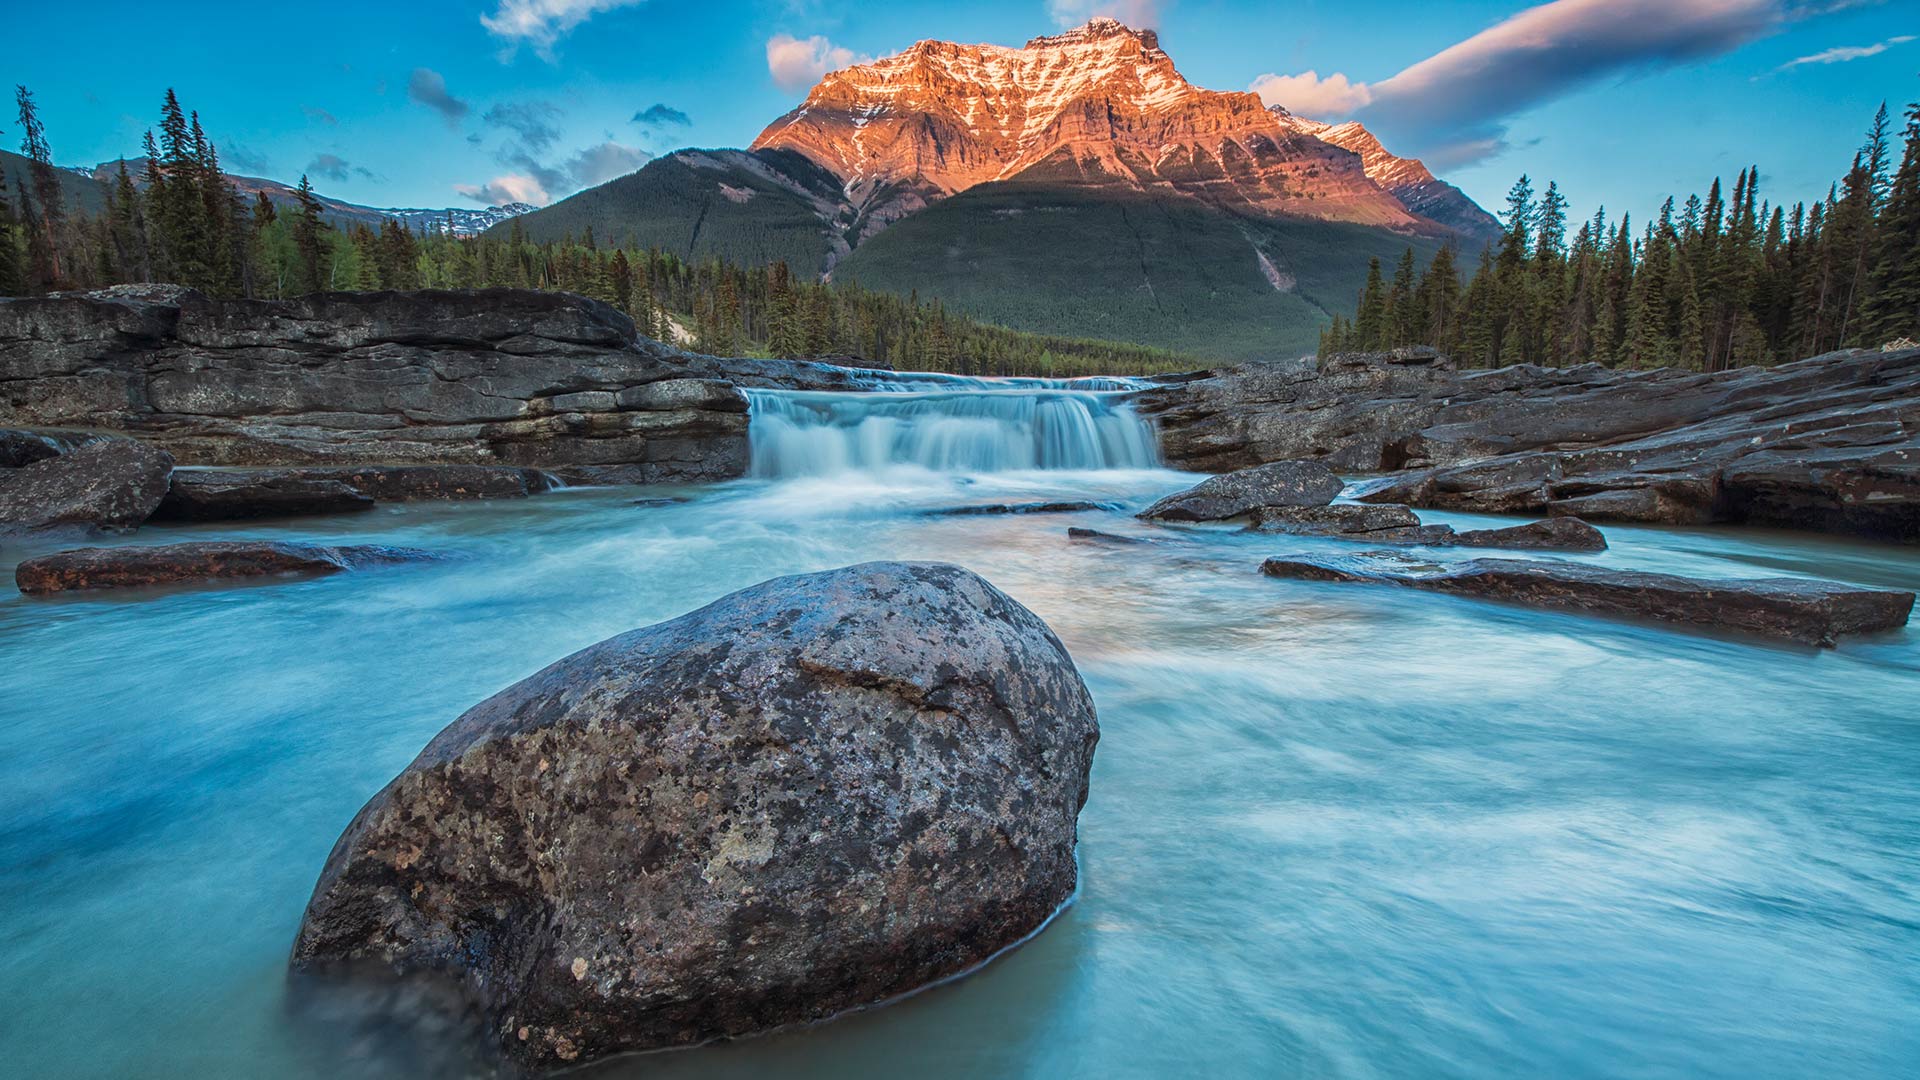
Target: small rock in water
[[1814, 612], [814, 794], [1095, 536], [1564, 533], [1023, 508], [1280, 483], [1348, 519], [166, 564]]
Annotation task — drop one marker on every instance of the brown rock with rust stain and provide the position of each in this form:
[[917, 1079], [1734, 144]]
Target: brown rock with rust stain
[[814, 794], [167, 564], [1813, 612]]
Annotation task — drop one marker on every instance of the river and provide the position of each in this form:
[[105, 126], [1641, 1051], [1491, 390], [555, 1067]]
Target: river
[[1334, 830]]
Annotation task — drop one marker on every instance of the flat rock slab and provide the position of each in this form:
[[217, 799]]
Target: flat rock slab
[[1813, 612], [405, 483], [1075, 507], [1280, 483], [110, 485], [814, 794], [1392, 523], [167, 564], [219, 495], [1095, 536]]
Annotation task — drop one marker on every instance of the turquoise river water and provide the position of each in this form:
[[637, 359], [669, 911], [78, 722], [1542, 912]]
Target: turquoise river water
[[1334, 830]]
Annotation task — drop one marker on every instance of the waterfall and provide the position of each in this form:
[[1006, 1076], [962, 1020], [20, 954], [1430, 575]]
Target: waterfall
[[950, 424]]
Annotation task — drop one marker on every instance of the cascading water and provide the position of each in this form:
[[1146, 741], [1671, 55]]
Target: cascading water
[[950, 424]]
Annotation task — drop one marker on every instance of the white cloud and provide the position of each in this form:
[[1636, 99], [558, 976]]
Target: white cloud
[[1843, 53], [798, 63], [1307, 94], [1139, 14], [541, 23], [513, 187]]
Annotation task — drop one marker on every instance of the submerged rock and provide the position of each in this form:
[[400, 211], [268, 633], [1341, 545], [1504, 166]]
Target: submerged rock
[[109, 485], [1814, 612], [814, 794], [1072, 507], [206, 495], [1095, 536], [1281, 483], [167, 564]]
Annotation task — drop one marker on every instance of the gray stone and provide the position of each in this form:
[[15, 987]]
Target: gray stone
[[717, 395], [223, 495], [109, 485], [812, 795], [1811, 612], [1281, 483]]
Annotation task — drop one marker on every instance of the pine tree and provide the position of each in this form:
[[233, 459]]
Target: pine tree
[[49, 221], [1403, 313], [1892, 309], [1370, 325], [309, 238]]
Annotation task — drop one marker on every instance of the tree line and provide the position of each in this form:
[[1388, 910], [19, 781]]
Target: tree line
[[183, 221], [1720, 282]]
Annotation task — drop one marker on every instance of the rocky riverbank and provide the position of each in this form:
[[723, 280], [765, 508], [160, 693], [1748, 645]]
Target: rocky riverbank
[[1830, 443], [487, 377]]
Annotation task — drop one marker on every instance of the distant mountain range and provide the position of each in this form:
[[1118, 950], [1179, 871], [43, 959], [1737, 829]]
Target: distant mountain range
[[86, 188], [1078, 185]]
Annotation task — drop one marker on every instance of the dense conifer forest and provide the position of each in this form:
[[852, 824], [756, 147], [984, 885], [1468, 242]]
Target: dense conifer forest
[[1721, 281]]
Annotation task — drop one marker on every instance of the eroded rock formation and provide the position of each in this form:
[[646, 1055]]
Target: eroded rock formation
[[214, 560], [1830, 443]]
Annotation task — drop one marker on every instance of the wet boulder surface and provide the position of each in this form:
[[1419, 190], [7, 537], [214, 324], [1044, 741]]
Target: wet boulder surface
[[814, 794], [107, 485], [1230, 495], [1810, 612], [203, 561]]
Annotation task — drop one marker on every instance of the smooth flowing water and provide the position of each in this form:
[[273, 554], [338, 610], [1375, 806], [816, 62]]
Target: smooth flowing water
[[1334, 830]]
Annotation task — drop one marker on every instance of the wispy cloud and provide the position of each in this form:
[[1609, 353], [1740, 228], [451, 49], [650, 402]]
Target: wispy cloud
[[245, 159], [1452, 106], [428, 87], [338, 169], [536, 122], [797, 63], [320, 116], [1843, 53], [542, 23], [534, 181], [660, 115], [1139, 14]]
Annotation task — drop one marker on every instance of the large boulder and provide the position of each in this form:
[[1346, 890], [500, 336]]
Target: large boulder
[[1281, 483], [814, 794], [1812, 612], [214, 560], [110, 485]]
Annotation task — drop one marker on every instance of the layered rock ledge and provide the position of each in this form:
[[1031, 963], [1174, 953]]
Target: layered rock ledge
[[811, 795], [487, 377], [1831, 443]]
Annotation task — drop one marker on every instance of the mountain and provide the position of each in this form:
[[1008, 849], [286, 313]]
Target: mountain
[[1406, 179], [86, 190], [1076, 185], [464, 220]]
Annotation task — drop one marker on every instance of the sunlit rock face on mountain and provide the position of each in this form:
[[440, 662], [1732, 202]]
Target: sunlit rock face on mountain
[[1406, 179], [1099, 106]]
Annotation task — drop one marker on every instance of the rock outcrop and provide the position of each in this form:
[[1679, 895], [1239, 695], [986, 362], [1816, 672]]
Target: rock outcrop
[[107, 485], [1392, 523], [1830, 443], [168, 564], [495, 377], [1281, 483], [1811, 612], [222, 495], [812, 795]]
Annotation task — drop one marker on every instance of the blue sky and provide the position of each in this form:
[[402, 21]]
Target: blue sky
[[437, 104]]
